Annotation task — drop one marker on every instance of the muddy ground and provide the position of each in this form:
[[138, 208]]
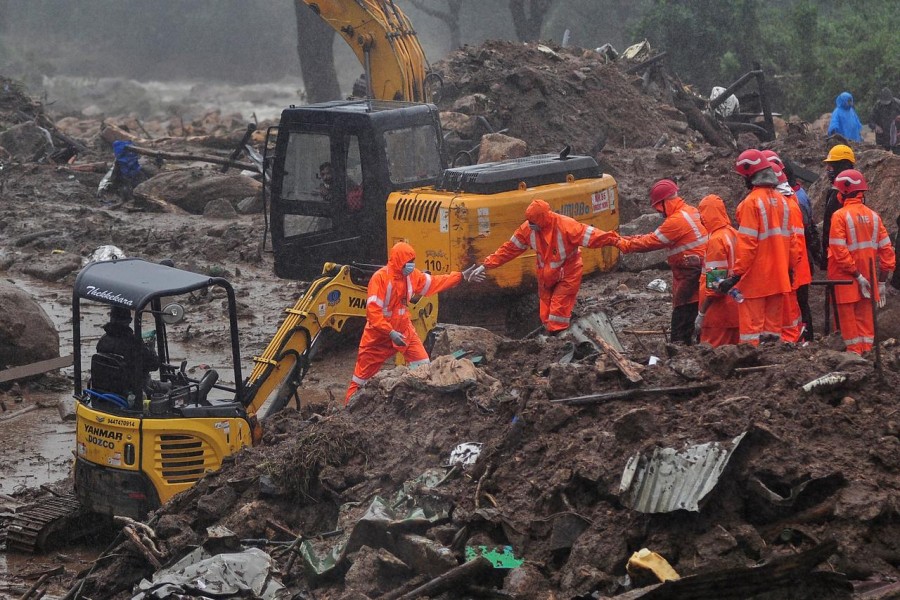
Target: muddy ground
[[548, 477]]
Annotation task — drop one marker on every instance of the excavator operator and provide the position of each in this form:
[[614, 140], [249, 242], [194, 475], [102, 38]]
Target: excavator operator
[[388, 327]]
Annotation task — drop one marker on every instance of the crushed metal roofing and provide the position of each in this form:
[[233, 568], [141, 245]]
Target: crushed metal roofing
[[667, 480]]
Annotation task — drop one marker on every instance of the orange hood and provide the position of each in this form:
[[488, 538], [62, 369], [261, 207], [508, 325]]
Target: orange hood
[[713, 213], [400, 254], [538, 212]]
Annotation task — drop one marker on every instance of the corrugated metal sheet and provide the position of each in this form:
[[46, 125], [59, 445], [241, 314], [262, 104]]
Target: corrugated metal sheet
[[599, 323], [667, 480]]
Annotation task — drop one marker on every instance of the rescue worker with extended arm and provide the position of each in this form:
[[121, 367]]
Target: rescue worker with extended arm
[[682, 234], [858, 238], [840, 158], [717, 318], [389, 329], [793, 324], [556, 240], [764, 250]]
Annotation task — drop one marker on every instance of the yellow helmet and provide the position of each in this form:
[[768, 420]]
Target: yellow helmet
[[840, 152]]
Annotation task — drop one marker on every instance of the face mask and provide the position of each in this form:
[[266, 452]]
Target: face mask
[[534, 226], [408, 268]]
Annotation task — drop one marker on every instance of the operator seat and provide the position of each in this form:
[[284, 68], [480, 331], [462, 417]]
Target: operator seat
[[110, 375]]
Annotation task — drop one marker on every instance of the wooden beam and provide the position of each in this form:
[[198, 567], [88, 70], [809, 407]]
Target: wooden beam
[[51, 364], [629, 368]]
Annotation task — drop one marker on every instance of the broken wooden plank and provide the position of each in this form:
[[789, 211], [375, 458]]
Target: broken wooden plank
[[51, 364], [635, 393], [191, 157], [18, 413], [464, 573], [629, 368]]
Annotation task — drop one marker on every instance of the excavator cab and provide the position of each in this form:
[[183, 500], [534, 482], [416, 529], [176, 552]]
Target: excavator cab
[[334, 165], [143, 436]]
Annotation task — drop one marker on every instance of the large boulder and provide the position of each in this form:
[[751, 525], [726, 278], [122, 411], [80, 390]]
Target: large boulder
[[27, 334], [642, 261], [192, 189], [496, 147]]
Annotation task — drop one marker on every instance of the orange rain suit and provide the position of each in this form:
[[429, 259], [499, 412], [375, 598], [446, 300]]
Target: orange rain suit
[[857, 236], [557, 247], [389, 294], [720, 325], [763, 257], [683, 236], [792, 319]]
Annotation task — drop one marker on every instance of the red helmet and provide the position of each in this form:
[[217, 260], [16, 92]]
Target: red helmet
[[850, 181], [776, 165], [750, 162], [662, 190], [773, 157]]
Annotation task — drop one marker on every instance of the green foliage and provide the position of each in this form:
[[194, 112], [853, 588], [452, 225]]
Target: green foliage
[[811, 50]]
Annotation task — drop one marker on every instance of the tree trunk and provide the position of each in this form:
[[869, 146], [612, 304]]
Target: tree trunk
[[528, 23], [315, 49]]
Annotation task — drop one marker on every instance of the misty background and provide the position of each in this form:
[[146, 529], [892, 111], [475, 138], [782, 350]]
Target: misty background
[[247, 49]]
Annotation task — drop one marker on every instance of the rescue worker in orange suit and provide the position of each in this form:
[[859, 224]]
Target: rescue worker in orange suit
[[683, 236], [717, 319], [857, 237], [388, 328], [840, 158], [764, 252], [792, 327], [556, 240]]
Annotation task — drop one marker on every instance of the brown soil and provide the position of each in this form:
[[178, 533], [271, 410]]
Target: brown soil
[[838, 452]]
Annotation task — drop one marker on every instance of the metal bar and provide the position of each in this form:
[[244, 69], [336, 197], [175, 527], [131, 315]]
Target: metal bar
[[731, 89]]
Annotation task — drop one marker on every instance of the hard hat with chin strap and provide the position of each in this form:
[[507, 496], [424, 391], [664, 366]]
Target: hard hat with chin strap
[[749, 162], [663, 190], [850, 181], [839, 153]]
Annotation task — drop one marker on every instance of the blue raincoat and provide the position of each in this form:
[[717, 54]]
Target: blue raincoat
[[844, 120]]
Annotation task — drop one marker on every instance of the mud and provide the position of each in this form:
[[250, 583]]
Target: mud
[[547, 480]]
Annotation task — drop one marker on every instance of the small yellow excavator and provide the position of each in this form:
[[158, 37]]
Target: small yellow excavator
[[139, 441]]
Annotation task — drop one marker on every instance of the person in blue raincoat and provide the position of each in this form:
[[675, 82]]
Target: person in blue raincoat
[[844, 120]]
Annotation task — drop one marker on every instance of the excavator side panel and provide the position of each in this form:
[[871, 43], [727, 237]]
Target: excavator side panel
[[462, 228]]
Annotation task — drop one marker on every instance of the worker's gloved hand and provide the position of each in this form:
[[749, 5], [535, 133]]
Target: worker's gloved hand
[[882, 294], [726, 284], [398, 338], [474, 274], [865, 288], [698, 323]]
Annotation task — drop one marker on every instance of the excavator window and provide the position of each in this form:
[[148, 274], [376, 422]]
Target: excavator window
[[307, 173], [413, 154]]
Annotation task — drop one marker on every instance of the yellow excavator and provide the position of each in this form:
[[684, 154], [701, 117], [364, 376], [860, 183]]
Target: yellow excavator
[[140, 439], [345, 180]]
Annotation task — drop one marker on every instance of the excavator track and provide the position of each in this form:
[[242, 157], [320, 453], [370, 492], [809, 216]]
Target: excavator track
[[32, 527]]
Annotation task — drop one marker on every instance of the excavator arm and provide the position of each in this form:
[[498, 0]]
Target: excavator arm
[[328, 303], [383, 40]]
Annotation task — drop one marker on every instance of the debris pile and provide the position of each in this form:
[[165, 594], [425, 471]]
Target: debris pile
[[365, 503]]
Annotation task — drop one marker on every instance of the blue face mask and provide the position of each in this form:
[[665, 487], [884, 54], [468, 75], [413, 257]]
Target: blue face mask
[[534, 226], [408, 268]]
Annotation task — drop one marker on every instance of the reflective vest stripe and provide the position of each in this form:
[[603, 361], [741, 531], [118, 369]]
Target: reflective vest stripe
[[358, 380], [587, 236], [376, 300], [661, 237], [558, 319], [748, 337], [427, 287], [691, 222], [860, 340], [851, 231], [517, 243], [689, 246]]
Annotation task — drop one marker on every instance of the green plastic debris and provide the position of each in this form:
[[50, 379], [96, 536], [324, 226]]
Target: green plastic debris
[[501, 558]]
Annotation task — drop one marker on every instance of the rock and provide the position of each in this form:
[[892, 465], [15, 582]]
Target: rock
[[688, 368], [715, 543], [496, 147], [217, 504], [170, 525], [375, 572], [645, 260], [26, 142], [634, 426], [424, 555], [27, 334], [220, 208], [723, 360], [526, 583], [250, 205], [450, 338], [474, 104], [678, 126], [192, 189], [66, 407], [861, 501], [464, 125], [51, 266], [886, 452], [573, 379]]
